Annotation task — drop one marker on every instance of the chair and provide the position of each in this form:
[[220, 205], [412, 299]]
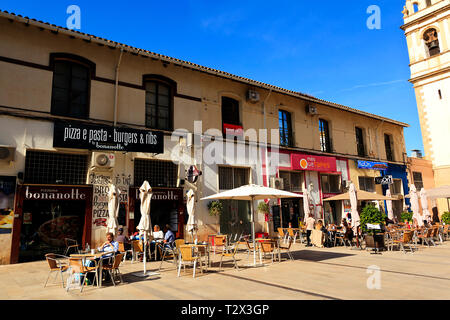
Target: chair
[[434, 235], [282, 235], [137, 249], [169, 250], [445, 232], [113, 268], [231, 254], [71, 244], [220, 241], [56, 266], [122, 249], [77, 268], [292, 234], [341, 237], [425, 236], [267, 247], [406, 240], [287, 249], [186, 257], [249, 248]]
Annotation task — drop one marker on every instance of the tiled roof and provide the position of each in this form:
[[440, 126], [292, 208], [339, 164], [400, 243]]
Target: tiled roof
[[89, 37]]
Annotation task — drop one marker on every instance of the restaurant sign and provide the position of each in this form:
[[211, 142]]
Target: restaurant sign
[[372, 165], [98, 137], [312, 162]]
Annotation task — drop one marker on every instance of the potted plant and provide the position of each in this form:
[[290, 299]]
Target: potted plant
[[445, 218], [370, 215], [263, 207], [406, 216], [215, 208]]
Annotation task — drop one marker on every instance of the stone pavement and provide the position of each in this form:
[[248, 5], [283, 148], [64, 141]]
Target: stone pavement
[[316, 273]]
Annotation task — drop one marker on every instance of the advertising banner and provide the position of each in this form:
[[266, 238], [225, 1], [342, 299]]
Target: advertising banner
[[372, 165], [7, 193], [313, 162], [99, 137]]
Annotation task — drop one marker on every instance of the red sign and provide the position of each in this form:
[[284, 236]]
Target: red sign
[[312, 162], [233, 130]]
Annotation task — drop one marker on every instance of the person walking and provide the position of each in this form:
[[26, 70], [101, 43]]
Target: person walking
[[310, 221]]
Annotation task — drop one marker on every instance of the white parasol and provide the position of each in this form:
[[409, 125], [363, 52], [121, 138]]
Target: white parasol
[[389, 205], [191, 225], [424, 201], [306, 203], [253, 192], [414, 199], [145, 224], [113, 209], [354, 206]]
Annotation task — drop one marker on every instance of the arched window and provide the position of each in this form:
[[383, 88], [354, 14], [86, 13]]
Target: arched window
[[158, 103], [71, 85], [432, 42]]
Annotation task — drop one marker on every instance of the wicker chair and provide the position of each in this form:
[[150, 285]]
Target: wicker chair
[[77, 268], [292, 235], [188, 258], [287, 249], [425, 236], [122, 249], [56, 266], [231, 254], [71, 245], [113, 268], [267, 247], [169, 250], [407, 239]]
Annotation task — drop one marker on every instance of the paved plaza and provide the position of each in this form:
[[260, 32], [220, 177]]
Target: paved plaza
[[315, 273]]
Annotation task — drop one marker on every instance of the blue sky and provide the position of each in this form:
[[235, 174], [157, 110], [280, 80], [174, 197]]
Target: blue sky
[[322, 48]]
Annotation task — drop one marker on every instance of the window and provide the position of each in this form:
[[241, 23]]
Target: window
[[284, 120], [388, 146], [396, 187], [360, 142], [432, 42], [292, 181], [70, 88], [158, 173], [330, 183], [440, 94], [158, 105], [55, 168], [418, 182], [428, 2], [415, 7], [230, 111], [367, 184], [325, 142], [230, 178]]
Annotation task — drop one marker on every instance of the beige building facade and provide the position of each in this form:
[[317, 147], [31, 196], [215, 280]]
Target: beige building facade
[[427, 31], [79, 113]]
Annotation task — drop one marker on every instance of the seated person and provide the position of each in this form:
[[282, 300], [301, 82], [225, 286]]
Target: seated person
[[169, 236], [157, 233], [124, 239], [110, 245]]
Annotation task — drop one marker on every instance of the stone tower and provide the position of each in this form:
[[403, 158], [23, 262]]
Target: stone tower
[[427, 31]]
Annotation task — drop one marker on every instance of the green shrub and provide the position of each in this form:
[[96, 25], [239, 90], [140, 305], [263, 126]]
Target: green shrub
[[263, 207], [370, 214], [215, 208], [406, 216], [446, 218]]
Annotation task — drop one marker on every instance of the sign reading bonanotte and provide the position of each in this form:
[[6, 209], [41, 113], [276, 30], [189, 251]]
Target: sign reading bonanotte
[[97, 137]]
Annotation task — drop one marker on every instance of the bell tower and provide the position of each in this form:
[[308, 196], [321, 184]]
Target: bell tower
[[427, 30]]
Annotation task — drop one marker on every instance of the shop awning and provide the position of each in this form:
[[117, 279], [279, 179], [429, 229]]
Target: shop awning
[[361, 195]]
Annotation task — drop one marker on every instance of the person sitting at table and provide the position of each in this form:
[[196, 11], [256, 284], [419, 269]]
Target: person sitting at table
[[169, 236], [158, 236], [123, 238], [347, 230], [321, 227], [309, 227], [110, 245]]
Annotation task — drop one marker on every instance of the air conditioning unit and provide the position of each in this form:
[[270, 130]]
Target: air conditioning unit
[[102, 160], [276, 183], [7, 153], [252, 96], [311, 109]]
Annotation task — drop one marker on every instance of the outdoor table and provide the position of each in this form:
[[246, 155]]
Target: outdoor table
[[158, 241], [97, 255]]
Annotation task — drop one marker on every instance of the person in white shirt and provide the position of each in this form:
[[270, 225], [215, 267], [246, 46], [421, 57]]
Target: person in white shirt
[[157, 233], [309, 227]]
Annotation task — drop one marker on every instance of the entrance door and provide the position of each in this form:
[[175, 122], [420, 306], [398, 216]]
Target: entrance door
[[161, 213], [235, 218], [290, 209], [46, 224]]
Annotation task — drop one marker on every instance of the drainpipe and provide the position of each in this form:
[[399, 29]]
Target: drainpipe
[[116, 87], [267, 136]]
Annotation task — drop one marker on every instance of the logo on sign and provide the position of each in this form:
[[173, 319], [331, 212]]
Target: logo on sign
[[303, 164]]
